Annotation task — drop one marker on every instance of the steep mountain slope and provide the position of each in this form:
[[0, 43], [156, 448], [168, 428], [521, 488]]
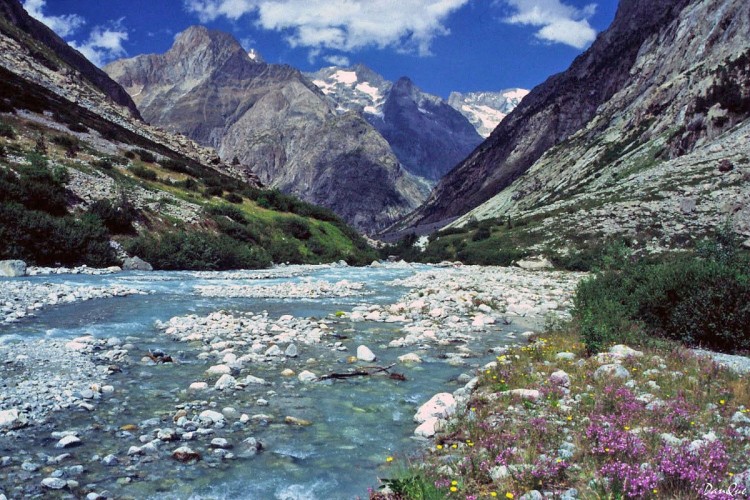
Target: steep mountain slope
[[273, 119], [427, 135], [13, 12], [663, 160], [555, 110], [485, 110], [80, 176]]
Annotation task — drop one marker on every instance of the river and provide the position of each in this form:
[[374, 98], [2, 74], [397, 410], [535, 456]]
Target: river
[[356, 423]]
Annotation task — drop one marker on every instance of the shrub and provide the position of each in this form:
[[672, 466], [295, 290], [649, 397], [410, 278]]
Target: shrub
[[66, 240], [129, 155], [233, 198], [35, 187], [71, 144], [213, 191], [225, 210], [700, 300], [174, 165], [197, 251], [482, 233], [146, 156], [77, 127], [7, 131], [296, 227], [143, 172], [117, 218]]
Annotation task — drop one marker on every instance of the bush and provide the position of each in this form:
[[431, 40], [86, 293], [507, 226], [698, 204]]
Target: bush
[[146, 156], [213, 191], [71, 144], [143, 172], [7, 131], [117, 218], [700, 300], [296, 227], [197, 251], [233, 198], [77, 127], [35, 187], [64, 240], [174, 165], [225, 210], [482, 233]]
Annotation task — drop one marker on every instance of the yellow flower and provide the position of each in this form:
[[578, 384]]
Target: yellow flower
[[454, 446], [721, 401], [439, 447], [472, 409], [627, 428], [656, 491], [570, 418], [454, 482], [493, 494], [454, 489], [389, 459], [509, 495], [730, 474]]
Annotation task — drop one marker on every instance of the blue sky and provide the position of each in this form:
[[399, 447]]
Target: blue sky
[[442, 45]]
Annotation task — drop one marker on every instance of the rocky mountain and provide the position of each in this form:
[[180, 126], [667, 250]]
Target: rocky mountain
[[427, 135], [83, 179], [273, 119], [647, 130], [486, 109]]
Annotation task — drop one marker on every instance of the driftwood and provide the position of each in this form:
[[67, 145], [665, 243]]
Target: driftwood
[[159, 357], [366, 372]]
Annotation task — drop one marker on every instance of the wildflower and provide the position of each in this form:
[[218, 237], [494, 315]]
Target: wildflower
[[454, 446], [493, 494], [721, 401], [454, 483], [570, 417], [389, 459], [509, 495], [626, 428], [454, 489], [439, 447]]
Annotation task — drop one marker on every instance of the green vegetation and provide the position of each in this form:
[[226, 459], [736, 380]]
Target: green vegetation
[[250, 227], [699, 300], [196, 251]]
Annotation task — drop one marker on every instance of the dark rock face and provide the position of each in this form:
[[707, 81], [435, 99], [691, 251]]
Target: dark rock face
[[273, 119], [427, 135], [551, 113], [14, 12]]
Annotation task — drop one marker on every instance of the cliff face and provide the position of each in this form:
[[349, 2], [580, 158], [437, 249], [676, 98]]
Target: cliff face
[[273, 119], [555, 110]]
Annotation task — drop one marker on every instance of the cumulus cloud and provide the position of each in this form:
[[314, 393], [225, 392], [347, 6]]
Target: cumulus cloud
[[62, 25], [103, 45], [342, 25], [557, 22]]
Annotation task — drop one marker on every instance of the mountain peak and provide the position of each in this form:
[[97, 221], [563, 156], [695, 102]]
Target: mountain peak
[[199, 39]]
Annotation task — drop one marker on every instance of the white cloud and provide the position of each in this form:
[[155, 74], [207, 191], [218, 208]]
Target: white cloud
[[103, 44], [342, 25], [62, 25], [337, 60], [557, 22]]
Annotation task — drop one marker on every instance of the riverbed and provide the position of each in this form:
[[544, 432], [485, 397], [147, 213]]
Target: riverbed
[[229, 366]]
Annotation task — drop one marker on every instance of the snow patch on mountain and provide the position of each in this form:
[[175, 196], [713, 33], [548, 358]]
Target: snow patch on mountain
[[486, 109]]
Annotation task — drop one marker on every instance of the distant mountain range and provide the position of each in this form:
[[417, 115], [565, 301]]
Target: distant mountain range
[[428, 134]]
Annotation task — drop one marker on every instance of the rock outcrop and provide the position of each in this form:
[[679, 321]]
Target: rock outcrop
[[273, 119]]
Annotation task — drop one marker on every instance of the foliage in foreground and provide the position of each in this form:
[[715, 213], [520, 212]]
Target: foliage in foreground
[[677, 423], [702, 299]]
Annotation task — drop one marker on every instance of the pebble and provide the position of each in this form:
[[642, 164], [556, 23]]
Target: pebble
[[365, 354]]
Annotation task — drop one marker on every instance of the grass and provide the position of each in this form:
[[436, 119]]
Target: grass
[[605, 437]]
